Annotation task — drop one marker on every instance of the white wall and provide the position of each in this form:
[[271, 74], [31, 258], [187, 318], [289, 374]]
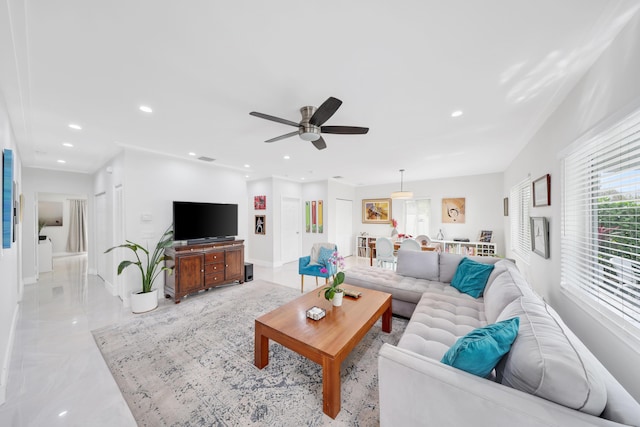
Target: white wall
[[483, 206], [261, 245], [338, 190], [610, 86], [10, 260], [151, 183], [42, 181]]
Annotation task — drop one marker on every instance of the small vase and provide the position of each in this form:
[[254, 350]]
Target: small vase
[[394, 232], [337, 299]]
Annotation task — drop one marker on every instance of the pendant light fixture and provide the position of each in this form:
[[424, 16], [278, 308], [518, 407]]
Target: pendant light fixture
[[402, 194]]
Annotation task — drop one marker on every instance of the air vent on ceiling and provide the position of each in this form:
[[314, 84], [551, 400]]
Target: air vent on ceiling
[[206, 159], [338, 177]]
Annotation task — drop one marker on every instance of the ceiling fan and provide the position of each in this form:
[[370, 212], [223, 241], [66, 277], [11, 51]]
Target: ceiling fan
[[310, 127]]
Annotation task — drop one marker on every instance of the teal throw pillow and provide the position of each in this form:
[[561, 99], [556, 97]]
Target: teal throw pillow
[[480, 350], [323, 257], [471, 277]]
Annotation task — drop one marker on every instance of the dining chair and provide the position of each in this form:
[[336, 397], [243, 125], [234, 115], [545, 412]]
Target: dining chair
[[410, 245], [384, 252]]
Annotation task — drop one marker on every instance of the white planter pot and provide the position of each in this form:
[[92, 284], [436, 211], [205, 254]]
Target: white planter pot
[[141, 303], [337, 299]]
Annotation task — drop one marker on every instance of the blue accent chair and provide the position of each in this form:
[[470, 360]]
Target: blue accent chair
[[304, 269]]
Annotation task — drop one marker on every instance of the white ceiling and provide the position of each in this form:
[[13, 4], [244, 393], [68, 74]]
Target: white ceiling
[[401, 68]]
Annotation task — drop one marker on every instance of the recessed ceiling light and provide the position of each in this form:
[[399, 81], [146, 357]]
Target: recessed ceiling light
[[62, 414], [67, 144], [146, 109], [75, 126], [287, 157], [456, 113], [302, 178], [191, 153], [246, 176], [61, 161], [247, 166]]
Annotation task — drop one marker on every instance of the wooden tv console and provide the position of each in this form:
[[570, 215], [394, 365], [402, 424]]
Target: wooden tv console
[[203, 266]]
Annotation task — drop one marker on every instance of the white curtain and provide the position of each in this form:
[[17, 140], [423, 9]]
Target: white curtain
[[77, 241]]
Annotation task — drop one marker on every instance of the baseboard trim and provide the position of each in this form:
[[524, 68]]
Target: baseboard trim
[[111, 288], [4, 374]]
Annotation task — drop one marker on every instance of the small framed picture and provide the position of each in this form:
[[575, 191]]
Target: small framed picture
[[542, 191], [260, 202], [540, 236], [485, 236], [376, 211], [505, 206], [260, 225]]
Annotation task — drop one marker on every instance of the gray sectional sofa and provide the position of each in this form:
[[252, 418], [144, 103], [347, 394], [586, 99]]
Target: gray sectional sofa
[[548, 378]]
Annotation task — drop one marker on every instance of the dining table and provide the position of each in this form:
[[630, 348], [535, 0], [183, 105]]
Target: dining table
[[396, 246]]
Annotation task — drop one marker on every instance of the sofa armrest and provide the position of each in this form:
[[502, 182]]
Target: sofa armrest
[[416, 390], [303, 262]]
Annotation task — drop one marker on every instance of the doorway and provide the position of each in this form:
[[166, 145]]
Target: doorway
[[290, 229], [344, 226]]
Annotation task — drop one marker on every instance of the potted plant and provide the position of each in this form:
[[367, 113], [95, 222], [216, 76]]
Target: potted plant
[[147, 299], [333, 292]]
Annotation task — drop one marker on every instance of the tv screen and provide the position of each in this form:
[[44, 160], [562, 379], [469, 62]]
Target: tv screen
[[192, 220]]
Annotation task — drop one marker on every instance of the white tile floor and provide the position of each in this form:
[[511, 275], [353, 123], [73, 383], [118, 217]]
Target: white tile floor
[[57, 376]]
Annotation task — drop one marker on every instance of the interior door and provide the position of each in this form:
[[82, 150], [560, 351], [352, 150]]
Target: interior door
[[118, 235], [101, 235], [290, 229], [344, 227]]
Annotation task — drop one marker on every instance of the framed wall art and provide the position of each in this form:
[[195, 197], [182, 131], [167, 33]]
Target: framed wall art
[[376, 211], [259, 202], [542, 191], [7, 197], [260, 225], [453, 210], [540, 236], [505, 206]]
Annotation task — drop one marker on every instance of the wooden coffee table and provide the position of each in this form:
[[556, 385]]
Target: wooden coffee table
[[327, 341]]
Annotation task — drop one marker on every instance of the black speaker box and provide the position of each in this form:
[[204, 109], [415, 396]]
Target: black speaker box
[[248, 272]]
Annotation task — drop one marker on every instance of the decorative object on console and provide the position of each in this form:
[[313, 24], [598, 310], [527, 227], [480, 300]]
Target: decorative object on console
[[540, 236], [376, 211], [260, 225], [440, 235], [260, 202], [453, 210], [333, 292], [394, 224], [485, 236], [147, 299], [402, 194], [542, 191]]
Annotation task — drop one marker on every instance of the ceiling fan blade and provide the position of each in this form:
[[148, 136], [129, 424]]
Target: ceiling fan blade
[[319, 143], [286, 135], [325, 111], [345, 130], [274, 119]]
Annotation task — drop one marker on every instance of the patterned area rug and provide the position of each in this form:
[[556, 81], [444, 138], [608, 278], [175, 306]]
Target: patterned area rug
[[191, 364]]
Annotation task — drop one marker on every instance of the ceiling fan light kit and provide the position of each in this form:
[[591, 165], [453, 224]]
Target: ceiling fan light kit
[[402, 194], [310, 127]]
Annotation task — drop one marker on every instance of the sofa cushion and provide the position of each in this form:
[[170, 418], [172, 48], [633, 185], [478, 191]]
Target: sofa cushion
[[480, 350], [440, 318], [449, 264], [544, 362], [419, 264], [506, 287], [471, 277], [324, 255]]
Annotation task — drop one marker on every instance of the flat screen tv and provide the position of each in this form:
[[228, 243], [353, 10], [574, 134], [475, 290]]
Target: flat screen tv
[[204, 221]]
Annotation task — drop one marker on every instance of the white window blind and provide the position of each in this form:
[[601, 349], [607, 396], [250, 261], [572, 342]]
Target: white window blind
[[600, 242], [519, 202]]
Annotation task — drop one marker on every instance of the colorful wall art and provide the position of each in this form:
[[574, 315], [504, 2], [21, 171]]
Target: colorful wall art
[[453, 210], [314, 216], [7, 197], [260, 202], [376, 211], [260, 225]]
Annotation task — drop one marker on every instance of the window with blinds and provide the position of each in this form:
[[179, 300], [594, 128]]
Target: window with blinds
[[600, 242], [416, 216], [519, 202]]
